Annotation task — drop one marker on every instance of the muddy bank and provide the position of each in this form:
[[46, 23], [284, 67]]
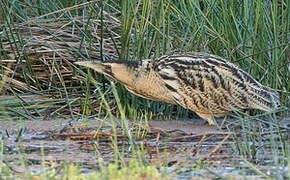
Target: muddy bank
[[174, 144]]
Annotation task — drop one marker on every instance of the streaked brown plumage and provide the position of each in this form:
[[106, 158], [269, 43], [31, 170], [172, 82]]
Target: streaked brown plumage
[[203, 83]]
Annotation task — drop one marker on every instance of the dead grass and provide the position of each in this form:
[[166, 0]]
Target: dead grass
[[39, 55]]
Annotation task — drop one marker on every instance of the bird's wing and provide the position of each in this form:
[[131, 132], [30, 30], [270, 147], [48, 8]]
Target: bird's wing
[[203, 83]]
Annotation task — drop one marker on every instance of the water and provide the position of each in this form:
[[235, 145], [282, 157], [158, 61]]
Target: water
[[181, 148]]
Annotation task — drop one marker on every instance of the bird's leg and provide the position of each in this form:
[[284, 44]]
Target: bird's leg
[[207, 117]]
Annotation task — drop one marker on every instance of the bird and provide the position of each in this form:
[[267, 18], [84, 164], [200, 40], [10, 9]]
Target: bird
[[206, 84]]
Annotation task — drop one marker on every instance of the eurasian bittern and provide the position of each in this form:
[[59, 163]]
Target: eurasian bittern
[[206, 84]]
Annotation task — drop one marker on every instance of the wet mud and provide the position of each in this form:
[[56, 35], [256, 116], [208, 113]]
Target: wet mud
[[180, 147]]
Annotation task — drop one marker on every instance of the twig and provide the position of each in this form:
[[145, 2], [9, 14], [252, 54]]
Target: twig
[[220, 144], [200, 143]]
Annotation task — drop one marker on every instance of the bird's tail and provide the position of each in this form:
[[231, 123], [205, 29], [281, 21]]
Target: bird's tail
[[265, 98], [274, 97]]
